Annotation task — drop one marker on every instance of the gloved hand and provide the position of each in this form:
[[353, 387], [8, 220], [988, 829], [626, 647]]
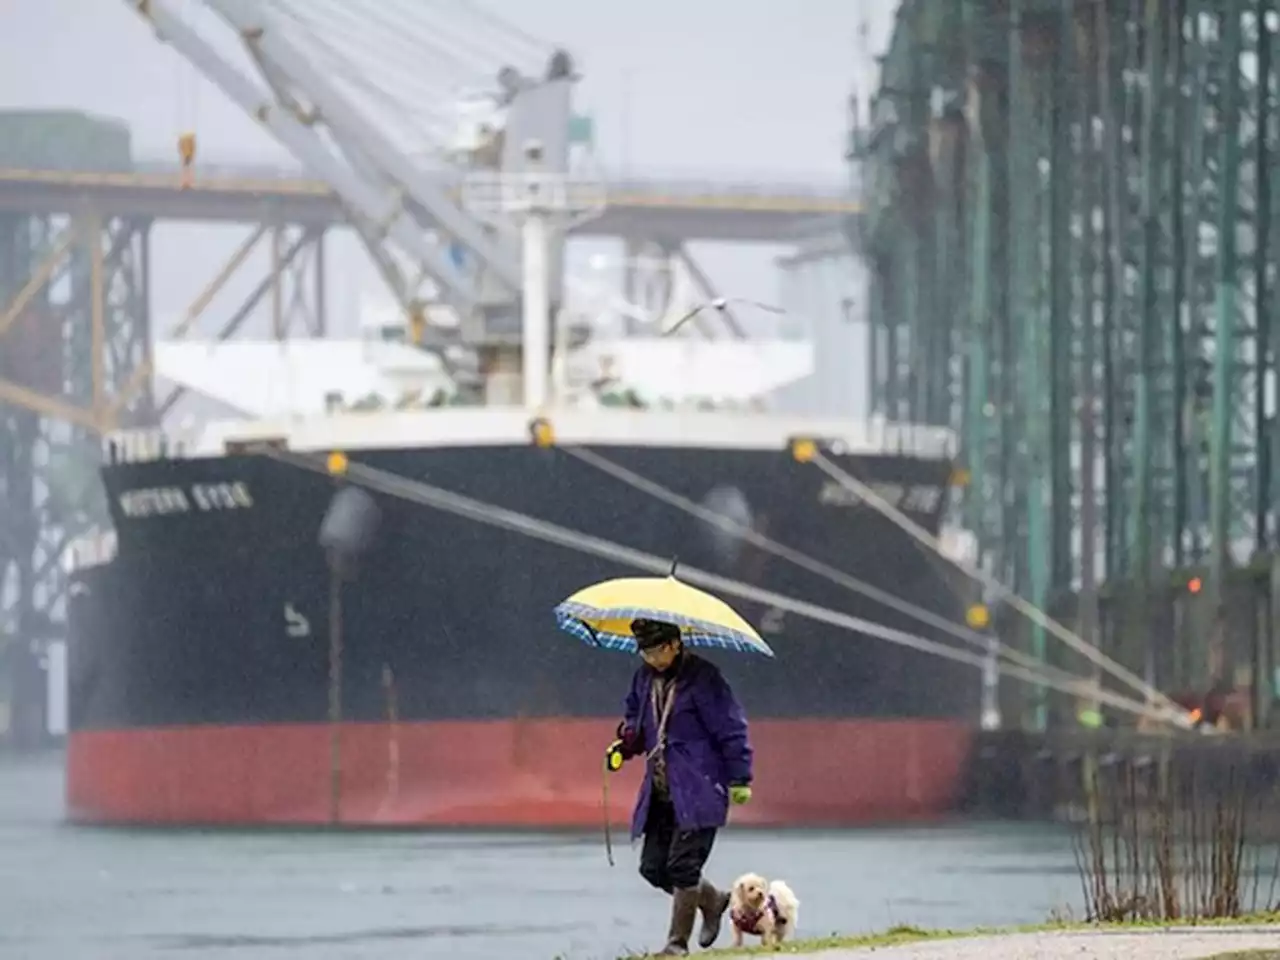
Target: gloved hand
[[740, 794], [628, 741]]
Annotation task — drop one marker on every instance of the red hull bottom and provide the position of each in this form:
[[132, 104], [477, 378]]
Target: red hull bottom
[[508, 773]]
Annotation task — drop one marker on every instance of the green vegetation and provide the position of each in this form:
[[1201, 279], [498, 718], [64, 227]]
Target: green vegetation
[[892, 937], [906, 933], [911, 934], [1170, 841]]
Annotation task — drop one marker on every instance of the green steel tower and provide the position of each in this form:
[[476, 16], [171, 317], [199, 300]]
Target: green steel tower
[[1071, 232]]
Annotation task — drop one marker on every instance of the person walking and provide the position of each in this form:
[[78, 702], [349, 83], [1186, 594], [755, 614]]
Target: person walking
[[683, 718]]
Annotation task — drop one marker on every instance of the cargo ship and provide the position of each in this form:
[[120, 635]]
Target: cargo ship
[[200, 624], [198, 629]]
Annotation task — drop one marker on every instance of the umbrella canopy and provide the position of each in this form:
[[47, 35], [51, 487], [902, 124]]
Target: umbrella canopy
[[601, 615]]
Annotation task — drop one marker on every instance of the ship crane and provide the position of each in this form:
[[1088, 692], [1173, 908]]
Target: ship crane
[[393, 202]]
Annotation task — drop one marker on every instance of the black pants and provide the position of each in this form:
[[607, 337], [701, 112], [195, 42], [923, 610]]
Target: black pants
[[672, 858]]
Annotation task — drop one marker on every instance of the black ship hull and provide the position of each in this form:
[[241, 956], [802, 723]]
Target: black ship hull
[[199, 655]]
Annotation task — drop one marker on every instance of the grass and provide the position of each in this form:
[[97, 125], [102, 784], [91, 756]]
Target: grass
[[906, 933], [911, 934], [902, 933]]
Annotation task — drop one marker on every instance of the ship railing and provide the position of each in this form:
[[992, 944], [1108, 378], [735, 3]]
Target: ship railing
[[142, 445], [90, 549], [874, 435]]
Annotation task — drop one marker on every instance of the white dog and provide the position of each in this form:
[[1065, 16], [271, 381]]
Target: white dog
[[769, 911]]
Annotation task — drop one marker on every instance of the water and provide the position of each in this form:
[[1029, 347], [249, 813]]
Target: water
[[70, 893]]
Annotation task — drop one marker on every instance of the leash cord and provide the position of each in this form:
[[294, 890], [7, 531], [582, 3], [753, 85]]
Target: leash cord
[[608, 830], [608, 768]]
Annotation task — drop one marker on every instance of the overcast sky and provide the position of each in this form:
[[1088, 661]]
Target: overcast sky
[[735, 87]]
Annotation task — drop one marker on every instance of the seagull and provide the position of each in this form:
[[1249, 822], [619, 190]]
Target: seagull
[[719, 304]]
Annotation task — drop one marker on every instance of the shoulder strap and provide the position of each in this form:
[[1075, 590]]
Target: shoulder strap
[[662, 711]]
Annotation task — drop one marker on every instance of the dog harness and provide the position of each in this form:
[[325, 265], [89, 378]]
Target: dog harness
[[748, 921]]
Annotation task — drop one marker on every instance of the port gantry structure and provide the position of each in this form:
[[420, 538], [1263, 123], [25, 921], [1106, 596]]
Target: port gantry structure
[[76, 211], [1072, 228]]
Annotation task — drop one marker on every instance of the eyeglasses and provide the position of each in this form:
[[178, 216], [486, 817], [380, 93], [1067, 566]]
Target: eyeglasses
[[653, 653]]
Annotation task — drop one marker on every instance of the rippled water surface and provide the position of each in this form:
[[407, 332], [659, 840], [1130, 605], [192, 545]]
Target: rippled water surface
[[69, 893]]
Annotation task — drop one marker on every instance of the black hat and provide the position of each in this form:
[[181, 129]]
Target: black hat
[[653, 633]]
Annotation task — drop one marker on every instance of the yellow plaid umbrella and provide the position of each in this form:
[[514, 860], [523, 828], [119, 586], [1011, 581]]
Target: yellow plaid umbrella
[[601, 615]]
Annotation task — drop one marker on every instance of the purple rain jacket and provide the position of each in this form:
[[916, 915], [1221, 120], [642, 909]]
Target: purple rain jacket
[[707, 746]]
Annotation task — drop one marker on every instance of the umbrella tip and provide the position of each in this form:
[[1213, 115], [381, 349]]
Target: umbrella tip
[[675, 561]]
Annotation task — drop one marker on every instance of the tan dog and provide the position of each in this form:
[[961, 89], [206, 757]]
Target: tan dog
[[757, 908]]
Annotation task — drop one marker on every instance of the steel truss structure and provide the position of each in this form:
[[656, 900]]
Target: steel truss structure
[[73, 325], [1071, 228], [75, 363], [294, 286]]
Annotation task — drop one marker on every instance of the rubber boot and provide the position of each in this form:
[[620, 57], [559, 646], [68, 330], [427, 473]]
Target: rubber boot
[[712, 903], [684, 910]]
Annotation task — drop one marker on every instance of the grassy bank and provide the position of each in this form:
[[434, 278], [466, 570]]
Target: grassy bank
[[909, 934]]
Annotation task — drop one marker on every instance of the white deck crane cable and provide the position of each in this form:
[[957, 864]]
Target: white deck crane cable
[[384, 43], [806, 562], [515, 35], [373, 71], [484, 39], [426, 38], [1028, 610], [425, 494]]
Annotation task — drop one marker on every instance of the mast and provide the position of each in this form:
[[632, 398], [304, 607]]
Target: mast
[[535, 235], [545, 204]]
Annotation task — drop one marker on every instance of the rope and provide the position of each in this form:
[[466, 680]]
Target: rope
[[425, 494], [806, 562], [1029, 610]]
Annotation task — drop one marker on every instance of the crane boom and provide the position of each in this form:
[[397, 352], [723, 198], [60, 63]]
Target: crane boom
[[383, 189]]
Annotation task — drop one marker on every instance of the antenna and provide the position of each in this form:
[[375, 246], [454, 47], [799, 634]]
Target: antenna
[[674, 563]]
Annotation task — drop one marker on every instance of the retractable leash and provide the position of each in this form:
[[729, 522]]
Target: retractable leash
[[613, 761]]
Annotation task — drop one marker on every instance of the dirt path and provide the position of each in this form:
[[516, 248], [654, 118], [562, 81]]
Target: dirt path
[[1175, 943]]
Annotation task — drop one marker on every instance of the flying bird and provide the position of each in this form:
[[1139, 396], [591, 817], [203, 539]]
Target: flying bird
[[720, 305]]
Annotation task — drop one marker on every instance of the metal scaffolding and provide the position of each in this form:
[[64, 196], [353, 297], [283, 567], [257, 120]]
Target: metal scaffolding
[[1070, 231], [73, 326]]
